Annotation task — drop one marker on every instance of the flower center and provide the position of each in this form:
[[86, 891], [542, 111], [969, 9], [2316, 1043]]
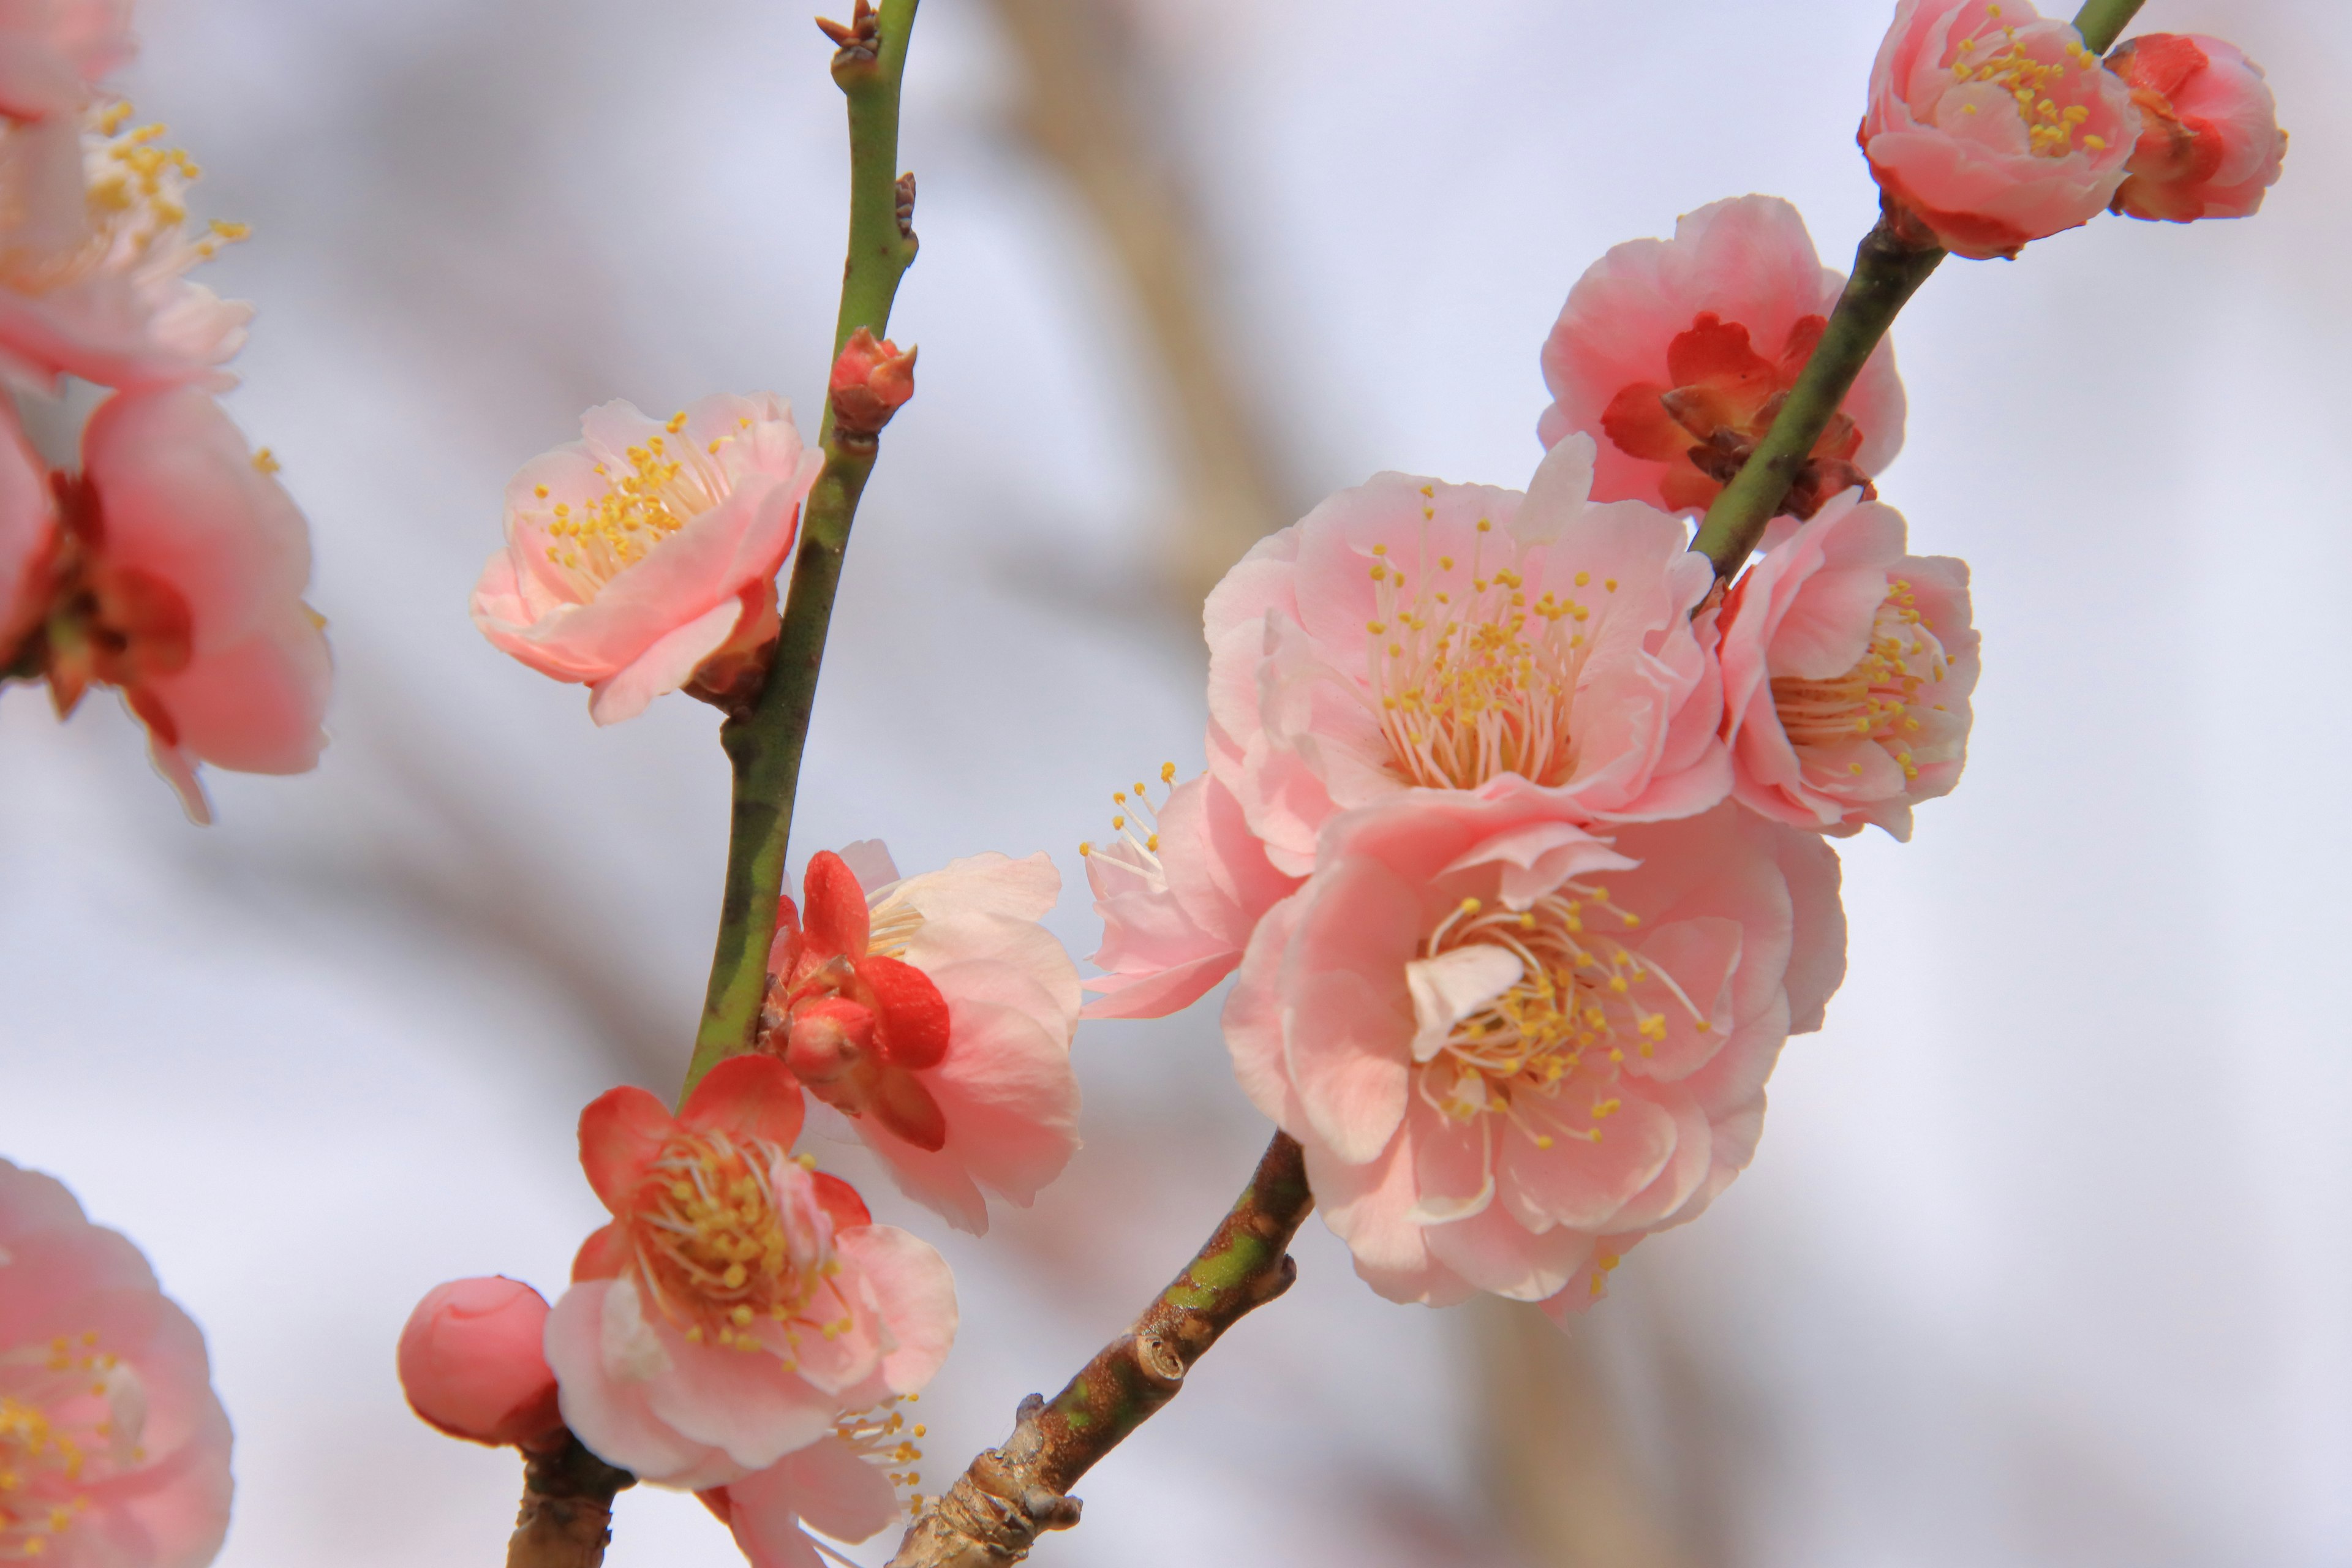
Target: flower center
[[1472, 680], [1584, 1000], [1875, 700], [664, 490], [717, 1251], [71, 1415], [2038, 87], [135, 206]]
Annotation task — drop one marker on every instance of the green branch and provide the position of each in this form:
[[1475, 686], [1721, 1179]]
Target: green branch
[[2101, 22], [764, 742]]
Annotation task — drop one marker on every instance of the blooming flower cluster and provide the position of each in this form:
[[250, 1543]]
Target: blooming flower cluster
[[161, 558], [1512, 831], [113, 1449]]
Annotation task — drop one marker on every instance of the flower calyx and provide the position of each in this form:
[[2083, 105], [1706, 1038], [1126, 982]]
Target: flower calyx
[[871, 381]]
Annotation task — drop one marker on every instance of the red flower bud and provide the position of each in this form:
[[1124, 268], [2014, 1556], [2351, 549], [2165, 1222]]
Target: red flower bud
[[870, 382], [471, 1362]]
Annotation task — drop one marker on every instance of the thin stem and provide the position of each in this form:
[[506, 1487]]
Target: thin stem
[[2101, 22], [997, 1509], [1887, 272], [764, 743]]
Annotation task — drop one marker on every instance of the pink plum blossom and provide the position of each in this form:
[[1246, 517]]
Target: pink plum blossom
[[52, 53], [473, 1365], [934, 1014], [647, 549], [1412, 634], [2213, 144], [181, 583], [1673, 355], [835, 1485], [1993, 125], [1512, 1048], [1847, 669], [93, 269], [115, 1449], [740, 1302], [1177, 900]]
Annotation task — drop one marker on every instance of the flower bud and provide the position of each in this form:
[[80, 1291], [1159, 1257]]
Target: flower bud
[[472, 1366], [2210, 143], [871, 381]]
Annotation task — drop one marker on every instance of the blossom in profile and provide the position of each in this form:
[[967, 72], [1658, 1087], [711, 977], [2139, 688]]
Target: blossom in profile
[[94, 263], [473, 1364], [1179, 889], [1847, 669], [837, 1485], [2210, 145], [739, 1303], [179, 581], [934, 1014], [1511, 1048], [647, 551], [1674, 357], [1993, 125], [114, 1449], [1412, 634]]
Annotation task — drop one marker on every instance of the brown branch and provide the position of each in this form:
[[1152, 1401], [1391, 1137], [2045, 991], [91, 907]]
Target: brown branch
[[567, 1507], [1011, 1495]]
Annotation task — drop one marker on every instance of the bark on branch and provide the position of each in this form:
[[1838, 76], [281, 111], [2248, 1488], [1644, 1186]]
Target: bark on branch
[[1011, 1495], [567, 1507]]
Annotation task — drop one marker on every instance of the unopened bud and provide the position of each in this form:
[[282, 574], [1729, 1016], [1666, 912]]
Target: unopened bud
[[2210, 144], [472, 1366], [871, 381]]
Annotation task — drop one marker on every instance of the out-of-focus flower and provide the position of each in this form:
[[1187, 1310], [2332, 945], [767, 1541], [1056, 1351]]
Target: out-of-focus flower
[[28, 537], [870, 382], [936, 1013], [648, 548], [836, 1485], [94, 262], [739, 1303], [473, 1364], [1675, 355], [1411, 634], [1993, 125], [180, 581], [2211, 143], [1847, 669], [1178, 899], [114, 1450], [52, 53], [1511, 1049]]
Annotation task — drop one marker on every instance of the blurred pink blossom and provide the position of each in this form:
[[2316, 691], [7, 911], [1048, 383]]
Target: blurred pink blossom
[[835, 1485], [1412, 634], [1511, 1048], [1673, 356], [115, 1449], [1993, 126], [739, 1303], [472, 1362], [934, 1014], [52, 53], [1177, 900], [648, 548], [1847, 669], [182, 584], [2212, 146]]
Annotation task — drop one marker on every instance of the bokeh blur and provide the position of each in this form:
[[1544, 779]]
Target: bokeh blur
[[2047, 1256]]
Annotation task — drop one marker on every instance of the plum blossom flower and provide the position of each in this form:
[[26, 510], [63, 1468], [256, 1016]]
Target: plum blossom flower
[[740, 1302], [180, 581], [94, 264], [114, 1449], [1993, 125], [647, 549], [836, 1485], [1177, 900], [2212, 146], [1847, 669], [934, 1014], [473, 1364], [1510, 1048], [1675, 355], [1412, 633]]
